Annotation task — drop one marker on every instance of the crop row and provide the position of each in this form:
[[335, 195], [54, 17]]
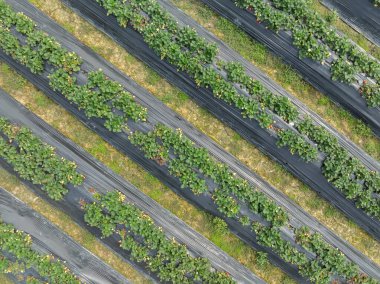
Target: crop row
[[228, 203], [100, 97], [36, 161], [329, 263], [345, 172], [195, 169], [19, 245], [147, 243], [315, 37]]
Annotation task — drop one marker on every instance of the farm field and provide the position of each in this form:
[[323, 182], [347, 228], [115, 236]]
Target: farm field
[[193, 130]]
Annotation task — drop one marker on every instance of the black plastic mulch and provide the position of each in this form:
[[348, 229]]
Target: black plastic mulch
[[361, 15]]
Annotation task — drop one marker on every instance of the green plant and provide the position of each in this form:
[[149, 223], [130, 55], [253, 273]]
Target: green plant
[[36, 161], [262, 259], [315, 37], [100, 97], [18, 245], [297, 145], [371, 92], [147, 242], [343, 71]]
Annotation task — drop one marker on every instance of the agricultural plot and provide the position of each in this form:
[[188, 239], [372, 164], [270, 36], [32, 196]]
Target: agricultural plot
[[349, 95], [25, 235], [326, 271], [80, 203], [312, 174]]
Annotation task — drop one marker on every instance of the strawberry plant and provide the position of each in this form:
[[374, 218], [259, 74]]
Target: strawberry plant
[[100, 97], [343, 71], [18, 245], [371, 92], [193, 165], [345, 172], [297, 145], [36, 161], [147, 242], [316, 38]]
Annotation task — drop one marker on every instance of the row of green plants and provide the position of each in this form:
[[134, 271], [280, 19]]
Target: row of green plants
[[228, 203], [147, 243], [159, 37], [328, 265], [376, 3], [99, 97], [36, 161], [194, 166], [195, 169], [148, 18], [345, 172], [19, 245], [316, 38]]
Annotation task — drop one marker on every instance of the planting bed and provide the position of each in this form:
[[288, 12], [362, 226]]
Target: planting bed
[[310, 173], [361, 15], [100, 179], [316, 74], [48, 239], [121, 141]]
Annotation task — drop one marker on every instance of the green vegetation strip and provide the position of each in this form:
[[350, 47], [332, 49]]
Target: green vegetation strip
[[36, 161], [309, 29], [160, 32], [147, 243], [19, 245], [210, 227]]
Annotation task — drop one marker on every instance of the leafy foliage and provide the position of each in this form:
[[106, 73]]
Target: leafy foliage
[[100, 97], [36, 161], [278, 104], [147, 242], [19, 245], [343, 71], [195, 166], [333, 259], [316, 39], [371, 92], [297, 145], [344, 171]]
